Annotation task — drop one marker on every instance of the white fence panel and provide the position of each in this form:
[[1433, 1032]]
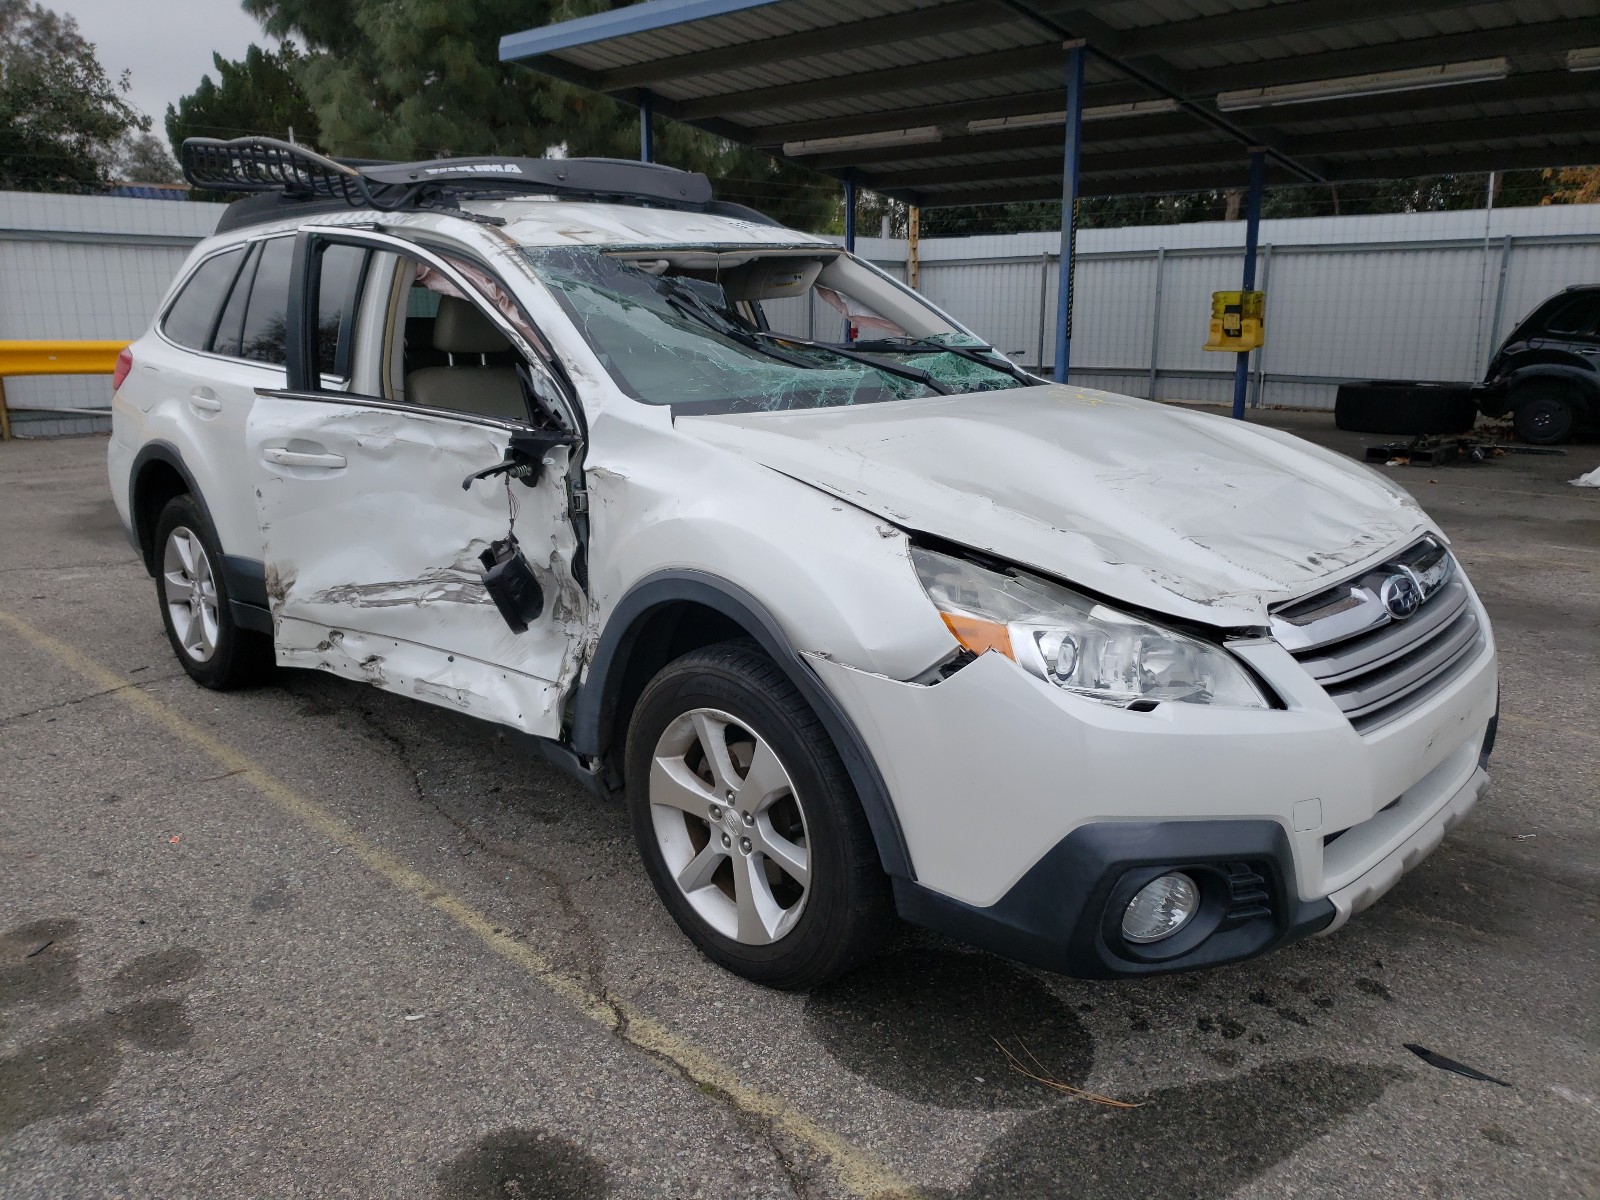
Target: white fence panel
[[85, 268]]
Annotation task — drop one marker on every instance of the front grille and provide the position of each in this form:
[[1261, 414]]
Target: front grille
[[1375, 663], [1378, 676]]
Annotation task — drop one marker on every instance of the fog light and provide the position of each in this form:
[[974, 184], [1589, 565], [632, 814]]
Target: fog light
[[1162, 907]]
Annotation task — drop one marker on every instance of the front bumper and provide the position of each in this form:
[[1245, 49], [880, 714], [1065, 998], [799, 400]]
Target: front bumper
[[1028, 811], [1062, 915], [1365, 891]]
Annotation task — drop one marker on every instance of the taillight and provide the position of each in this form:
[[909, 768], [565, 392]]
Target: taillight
[[124, 365]]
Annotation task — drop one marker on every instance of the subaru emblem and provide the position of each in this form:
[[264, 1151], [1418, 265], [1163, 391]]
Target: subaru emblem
[[1400, 595]]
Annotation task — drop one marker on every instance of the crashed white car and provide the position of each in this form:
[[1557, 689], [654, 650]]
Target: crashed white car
[[862, 619]]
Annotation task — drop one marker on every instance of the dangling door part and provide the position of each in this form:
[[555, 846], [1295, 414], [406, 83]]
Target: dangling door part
[[524, 458], [507, 575], [510, 582]]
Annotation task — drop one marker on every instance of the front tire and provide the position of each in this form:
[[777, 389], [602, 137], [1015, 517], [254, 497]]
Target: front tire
[[193, 595], [748, 824], [1543, 416]]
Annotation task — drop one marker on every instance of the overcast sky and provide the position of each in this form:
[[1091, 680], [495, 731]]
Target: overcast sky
[[166, 44]]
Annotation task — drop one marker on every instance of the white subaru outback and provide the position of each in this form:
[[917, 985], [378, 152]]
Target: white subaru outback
[[861, 618]]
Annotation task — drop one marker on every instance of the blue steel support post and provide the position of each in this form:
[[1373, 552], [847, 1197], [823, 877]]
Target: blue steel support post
[[850, 214], [1069, 210], [1252, 234], [647, 137]]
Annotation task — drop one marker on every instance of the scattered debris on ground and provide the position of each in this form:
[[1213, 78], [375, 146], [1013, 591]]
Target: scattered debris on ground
[[1450, 1064], [1039, 1076], [1435, 450]]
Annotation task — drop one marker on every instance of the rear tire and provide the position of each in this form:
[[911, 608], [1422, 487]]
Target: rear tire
[[1542, 416], [195, 608], [748, 823]]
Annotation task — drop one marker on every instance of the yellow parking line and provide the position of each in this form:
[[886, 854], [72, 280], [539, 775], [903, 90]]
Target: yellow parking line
[[857, 1170]]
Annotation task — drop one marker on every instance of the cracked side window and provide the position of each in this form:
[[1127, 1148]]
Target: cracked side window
[[687, 330]]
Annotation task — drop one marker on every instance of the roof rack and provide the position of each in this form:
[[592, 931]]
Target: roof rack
[[259, 164]]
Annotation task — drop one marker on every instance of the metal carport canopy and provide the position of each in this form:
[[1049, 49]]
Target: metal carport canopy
[[939, 102]]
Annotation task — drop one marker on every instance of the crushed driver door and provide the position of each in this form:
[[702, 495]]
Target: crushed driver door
[[375, 551]]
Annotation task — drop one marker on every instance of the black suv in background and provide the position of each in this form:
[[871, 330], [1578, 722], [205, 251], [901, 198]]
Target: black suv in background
[[1547, 372]]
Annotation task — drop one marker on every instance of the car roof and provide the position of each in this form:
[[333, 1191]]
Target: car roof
[[530, 221], [535, 221], [552, 222]]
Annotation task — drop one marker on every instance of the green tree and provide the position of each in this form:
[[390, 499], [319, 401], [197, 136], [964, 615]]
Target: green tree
[[1574, 185], [256, 94], [143, 158], [408, 79], [61, 117]]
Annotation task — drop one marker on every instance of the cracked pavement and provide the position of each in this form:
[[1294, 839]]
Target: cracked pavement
[[203, 993]]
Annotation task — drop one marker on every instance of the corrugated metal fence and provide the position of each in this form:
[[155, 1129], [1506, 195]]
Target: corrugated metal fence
[[1413, 296], [1417, 296], [89, 267]]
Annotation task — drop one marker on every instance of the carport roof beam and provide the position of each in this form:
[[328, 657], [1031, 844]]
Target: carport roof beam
[[772, 72]]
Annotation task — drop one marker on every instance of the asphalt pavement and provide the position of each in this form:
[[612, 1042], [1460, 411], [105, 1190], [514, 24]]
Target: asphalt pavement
[[315, 940]]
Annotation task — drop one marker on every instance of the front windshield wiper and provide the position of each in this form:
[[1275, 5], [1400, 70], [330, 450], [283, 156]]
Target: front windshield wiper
[[686, 302], [916, 374], [971, 353]]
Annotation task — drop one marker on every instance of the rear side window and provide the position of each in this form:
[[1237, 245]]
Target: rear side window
[[193, 316], [266, 319], [1581, 316]]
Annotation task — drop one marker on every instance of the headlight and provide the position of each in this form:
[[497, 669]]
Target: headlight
[[1078, 643]]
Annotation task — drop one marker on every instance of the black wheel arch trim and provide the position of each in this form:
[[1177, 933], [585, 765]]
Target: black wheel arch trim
[[594, 712], [1062, 914], [244, 578], [168, 454], [1583, 383]]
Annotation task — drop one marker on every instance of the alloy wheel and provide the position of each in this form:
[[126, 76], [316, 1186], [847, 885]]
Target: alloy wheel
[[191, 593], [730, 826]]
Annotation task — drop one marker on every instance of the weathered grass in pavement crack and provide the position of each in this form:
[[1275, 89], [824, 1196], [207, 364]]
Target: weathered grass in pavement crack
[[60, 704], [591, 963], [757, 1128]]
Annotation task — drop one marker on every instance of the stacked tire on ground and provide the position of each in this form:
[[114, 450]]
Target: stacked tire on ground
[[1405, 407]]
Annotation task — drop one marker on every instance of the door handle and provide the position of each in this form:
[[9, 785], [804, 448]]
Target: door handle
[[203, 399], [285, 457]]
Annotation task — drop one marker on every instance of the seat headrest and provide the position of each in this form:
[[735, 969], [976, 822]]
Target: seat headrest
[[770, 279], [461, 329]]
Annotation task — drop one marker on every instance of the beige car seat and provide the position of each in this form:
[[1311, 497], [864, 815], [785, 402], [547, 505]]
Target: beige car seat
[[462, 332]]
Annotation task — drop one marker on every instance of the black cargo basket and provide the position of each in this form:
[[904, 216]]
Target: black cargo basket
[[267, 165]]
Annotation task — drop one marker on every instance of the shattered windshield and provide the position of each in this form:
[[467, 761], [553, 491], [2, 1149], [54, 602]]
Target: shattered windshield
[[714, 332]]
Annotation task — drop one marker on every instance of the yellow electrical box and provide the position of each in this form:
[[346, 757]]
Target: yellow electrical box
[[1238, 321]]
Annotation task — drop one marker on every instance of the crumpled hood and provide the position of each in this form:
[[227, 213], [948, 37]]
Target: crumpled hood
[[1187, 513]]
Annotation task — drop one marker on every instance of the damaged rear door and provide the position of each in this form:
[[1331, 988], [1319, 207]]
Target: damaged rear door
[[385, 496]]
